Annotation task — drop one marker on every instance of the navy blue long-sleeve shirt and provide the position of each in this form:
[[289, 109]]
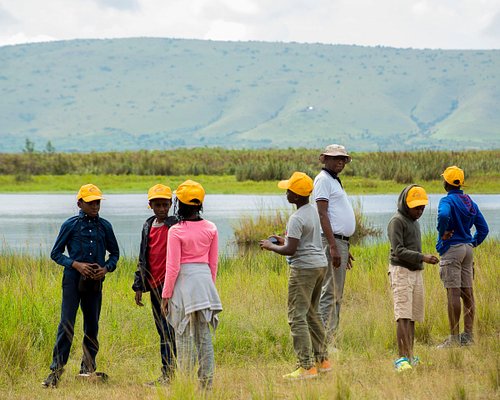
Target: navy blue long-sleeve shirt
[[87, 240]]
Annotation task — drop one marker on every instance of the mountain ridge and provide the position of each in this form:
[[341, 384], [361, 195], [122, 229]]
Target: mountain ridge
[[145, 93]]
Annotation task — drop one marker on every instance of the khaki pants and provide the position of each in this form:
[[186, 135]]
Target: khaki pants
[[333, 287], [308, 333]]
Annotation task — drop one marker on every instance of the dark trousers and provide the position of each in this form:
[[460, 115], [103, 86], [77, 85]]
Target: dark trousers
[[90, 303], [165, 331]]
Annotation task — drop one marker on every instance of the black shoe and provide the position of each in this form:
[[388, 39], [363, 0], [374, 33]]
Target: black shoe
[[86, 371], [163, 380], [53, 379], [93, 376], [466, 339], [451, 341], [205, 384]]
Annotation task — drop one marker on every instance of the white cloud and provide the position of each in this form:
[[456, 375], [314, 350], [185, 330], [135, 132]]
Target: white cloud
[[397, 23], [221, 30], [120, 4]]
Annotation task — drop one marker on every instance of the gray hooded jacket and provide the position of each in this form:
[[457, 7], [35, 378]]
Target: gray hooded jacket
[[404, 235]]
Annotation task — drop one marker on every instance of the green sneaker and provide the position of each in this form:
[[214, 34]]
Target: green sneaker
[[402, 364], [302, 373], [415, 360]]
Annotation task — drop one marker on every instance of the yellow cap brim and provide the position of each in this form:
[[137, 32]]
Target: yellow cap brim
[[160, 196], [416, 203], [284, 184], [88, 199]]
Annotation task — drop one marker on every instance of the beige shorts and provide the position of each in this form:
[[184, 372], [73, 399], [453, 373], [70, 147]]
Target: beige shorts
[[456, 267], [408, 293]]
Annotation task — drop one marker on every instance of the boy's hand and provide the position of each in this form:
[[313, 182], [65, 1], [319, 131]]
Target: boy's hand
[[265, 244], [268, 244], [99, 272], [430, 259], [447, 235], [280, 240], [164, 307], [138, 298], [86, 269]]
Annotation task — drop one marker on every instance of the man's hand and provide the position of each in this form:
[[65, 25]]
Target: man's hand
[[86, 269], [335, 255], [349, 261], [164, 307], [138, 298], [430, 259]]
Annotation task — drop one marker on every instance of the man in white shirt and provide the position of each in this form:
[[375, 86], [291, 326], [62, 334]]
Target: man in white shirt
[[337, 224]]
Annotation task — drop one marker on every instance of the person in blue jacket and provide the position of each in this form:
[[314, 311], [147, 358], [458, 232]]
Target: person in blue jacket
[[87, 238], [457, 214]]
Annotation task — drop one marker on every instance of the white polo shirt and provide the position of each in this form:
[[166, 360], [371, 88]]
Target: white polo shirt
[[340, 209]]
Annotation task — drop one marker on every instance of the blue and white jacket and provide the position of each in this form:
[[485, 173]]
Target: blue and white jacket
[[458, 213]]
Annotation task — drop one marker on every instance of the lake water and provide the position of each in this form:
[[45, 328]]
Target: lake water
[[30, 222]]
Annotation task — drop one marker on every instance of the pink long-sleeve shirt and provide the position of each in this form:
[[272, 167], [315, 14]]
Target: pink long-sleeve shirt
[[190, 242]]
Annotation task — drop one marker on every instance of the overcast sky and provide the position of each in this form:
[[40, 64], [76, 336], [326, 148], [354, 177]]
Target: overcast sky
[[447, 24]]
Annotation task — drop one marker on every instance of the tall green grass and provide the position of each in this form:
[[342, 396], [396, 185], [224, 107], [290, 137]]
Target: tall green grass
[[253, 344], [250, 229], [257, 165]]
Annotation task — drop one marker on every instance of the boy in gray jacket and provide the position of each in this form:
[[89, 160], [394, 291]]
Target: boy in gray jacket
[[405, 270]]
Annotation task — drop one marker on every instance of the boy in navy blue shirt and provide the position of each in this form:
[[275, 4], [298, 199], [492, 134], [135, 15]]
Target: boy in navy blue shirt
[[86, 237], [457, 214]]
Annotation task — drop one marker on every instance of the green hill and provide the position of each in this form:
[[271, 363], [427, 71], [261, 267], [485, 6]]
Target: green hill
[[127, 94]]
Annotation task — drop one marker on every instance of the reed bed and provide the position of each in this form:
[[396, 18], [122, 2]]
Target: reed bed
[[256, 165], [249, 230], [253, 344]]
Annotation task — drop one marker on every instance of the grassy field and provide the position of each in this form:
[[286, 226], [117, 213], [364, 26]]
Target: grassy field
[[220, 184], [253, 344]]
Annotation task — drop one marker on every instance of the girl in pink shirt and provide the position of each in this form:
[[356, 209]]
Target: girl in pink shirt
[[190, 299]]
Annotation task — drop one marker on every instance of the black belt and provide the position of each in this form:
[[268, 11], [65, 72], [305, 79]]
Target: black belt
[[341, 237]]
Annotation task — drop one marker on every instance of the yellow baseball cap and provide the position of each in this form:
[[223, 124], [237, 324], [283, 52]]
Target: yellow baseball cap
[[454, 176], [190, 192], [416, 197], [298, 183], [89, 192], [159, 191]]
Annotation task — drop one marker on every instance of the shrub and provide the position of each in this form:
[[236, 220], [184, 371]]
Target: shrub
[[249, 230]]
